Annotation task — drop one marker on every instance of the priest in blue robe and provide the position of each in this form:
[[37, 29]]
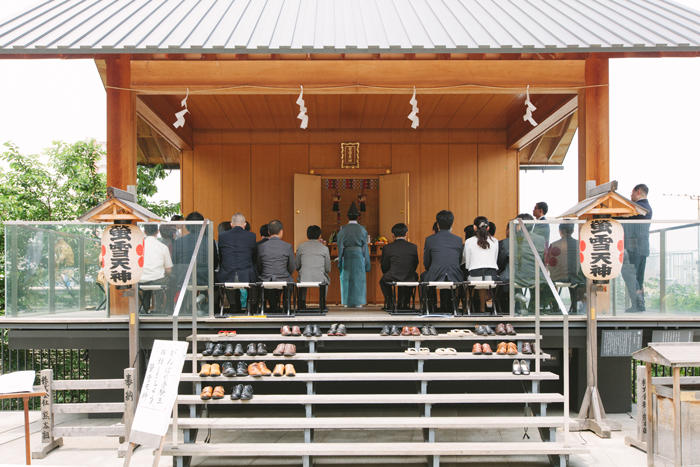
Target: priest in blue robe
[[353, 261]]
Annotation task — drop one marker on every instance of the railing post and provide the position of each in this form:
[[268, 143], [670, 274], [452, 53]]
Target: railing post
[[511, 268], [81, 272], [662, 272], [210, 266], [52, 272], [537, 316], [14, 270]]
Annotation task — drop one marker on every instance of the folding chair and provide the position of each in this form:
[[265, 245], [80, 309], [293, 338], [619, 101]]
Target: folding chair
[[427, 307], [152, 290], [480, 283], [222, 289], [301, 288], [396, 291], [285, 288]]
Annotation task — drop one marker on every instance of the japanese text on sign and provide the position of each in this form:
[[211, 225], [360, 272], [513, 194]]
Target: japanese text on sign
[[601, 249], [122, 254]]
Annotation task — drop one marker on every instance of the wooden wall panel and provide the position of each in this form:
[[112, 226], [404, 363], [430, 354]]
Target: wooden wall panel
[[434, 168], [405, 158], [187, 180], [325, 156], [235, 174], [498, 185], [207, 173], [463, 182], [265, 187], [374, 156], [293, 158]]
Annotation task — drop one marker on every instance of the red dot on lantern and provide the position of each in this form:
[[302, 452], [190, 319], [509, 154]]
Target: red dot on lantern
[[580, 257], [141, 262], [139, 250], [582, 246], [621, 245], [622, 258], [104, 250]]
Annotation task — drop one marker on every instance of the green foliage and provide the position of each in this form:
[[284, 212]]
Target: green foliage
[[62, 184]]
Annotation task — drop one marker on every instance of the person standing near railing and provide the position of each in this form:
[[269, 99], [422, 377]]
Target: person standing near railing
[[636, 251]]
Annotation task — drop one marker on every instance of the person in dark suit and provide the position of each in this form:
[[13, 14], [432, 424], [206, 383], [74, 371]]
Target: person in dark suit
[[399, 263], [442, 255], [264, 234], [636, 251], [237, 258], [542, 230], [275, 260]]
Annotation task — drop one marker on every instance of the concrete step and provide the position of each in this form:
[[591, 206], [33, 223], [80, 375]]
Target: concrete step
[[355, 337], [368, 356]]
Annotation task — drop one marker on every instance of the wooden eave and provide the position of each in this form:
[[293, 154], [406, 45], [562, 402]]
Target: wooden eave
[[610, 204], [116, 209], [673, 354]]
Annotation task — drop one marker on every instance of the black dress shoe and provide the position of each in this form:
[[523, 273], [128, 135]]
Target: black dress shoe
[[480, 330], [308, 331], [238, 351], [208, 349], [341, 330], [385, 331], [218, 350], [425, 330], [333, 328], [247, 393], [317, 330], [433, 331], [237, 392], [489, 331], [242, 369], [228, 350], [228, 370], [251, 350], [262, 349], [395, 331]]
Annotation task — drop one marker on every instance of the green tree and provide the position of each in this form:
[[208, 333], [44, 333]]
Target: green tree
[[62, 185]]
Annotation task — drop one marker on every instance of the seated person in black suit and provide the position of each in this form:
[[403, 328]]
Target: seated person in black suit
[[399, 263], [237, 255], [275, 260], [442, 257]]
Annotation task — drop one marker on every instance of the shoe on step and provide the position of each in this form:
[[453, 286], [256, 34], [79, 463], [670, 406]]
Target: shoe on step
[[247, 393], [516, 367], [206, 393], [278, 370], [208, 349], [262, 349], [237, 391], [251, 350], [238, 350], [241, 369]]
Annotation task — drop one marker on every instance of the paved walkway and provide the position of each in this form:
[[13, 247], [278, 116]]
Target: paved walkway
[[102, 452]]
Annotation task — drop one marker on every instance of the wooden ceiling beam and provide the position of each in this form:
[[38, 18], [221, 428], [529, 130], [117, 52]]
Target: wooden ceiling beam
[[560, 138], [358, 76], [522, 133], [181, 138]]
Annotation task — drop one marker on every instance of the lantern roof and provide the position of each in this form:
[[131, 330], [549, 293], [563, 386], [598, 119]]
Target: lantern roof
[[604, 200], [119, 205], [673, 354]]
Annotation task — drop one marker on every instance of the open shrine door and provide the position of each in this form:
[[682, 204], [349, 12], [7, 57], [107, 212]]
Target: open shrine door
[[307, 205], [393, 202]]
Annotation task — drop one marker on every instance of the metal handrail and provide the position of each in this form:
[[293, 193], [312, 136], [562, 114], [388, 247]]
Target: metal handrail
[[565, 315], [190, 268]]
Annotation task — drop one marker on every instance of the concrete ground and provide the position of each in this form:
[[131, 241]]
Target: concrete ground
[[102, 452]]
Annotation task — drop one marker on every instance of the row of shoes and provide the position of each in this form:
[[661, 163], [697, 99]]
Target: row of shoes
[[217, 349], [290, 330], [240, 392], [281, 369], [521, 367], [408, 331], [504, 348], [502, 329]]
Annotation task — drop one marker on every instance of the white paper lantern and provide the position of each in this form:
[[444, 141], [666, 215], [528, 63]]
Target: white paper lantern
[[121, 256], [602, 249]]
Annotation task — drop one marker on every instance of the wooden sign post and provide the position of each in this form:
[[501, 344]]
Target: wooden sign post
[[602, 203]]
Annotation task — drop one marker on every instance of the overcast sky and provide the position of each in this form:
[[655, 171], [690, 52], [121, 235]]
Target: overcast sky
[[654, 125]]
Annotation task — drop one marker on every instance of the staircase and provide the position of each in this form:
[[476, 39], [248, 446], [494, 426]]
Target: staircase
[[327, 377]]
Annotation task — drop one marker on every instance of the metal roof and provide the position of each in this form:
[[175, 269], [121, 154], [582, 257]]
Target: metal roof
[[350, 26]]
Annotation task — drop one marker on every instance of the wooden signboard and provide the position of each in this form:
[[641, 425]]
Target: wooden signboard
[[620, 343], [673, 335]]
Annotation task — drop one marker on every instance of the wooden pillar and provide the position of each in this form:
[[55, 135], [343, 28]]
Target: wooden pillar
[[121, 123], [594, 125]]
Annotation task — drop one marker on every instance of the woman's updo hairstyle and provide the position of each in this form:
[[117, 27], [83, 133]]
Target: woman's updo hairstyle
[[482, 232]]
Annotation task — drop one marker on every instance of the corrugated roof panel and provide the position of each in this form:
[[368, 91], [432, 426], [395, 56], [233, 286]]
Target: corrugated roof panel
[[350, 26]]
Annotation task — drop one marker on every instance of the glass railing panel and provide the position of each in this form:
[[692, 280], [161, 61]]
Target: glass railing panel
[[53, 268], [158, 289]]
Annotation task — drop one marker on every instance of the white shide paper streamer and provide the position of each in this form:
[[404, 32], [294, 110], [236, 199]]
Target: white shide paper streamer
[[529, 108], [180, 116], [302, 110], [413, 116]]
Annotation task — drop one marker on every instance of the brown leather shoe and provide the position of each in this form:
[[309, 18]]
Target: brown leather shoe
[[414, 331], [206, 393], [512, 348], [290, 350], [289, 370], [502, 348], [486, 349], [264, 370], [205, 370], [279, 350], [510, 330], [286, 330], [296, 331], [279, 370], [527, 348], [405, 331], [476, 349], [254, 369], [501, 329], [215, 370], [218, 392]]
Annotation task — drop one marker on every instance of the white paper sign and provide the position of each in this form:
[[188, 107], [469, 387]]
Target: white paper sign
[[19, 381], [158, 393], [602, 248], [122, 254]]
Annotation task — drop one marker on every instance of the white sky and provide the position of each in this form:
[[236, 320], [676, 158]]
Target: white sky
[[654, 125]]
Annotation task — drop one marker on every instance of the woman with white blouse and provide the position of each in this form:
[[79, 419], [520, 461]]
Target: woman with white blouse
[[480, 255]]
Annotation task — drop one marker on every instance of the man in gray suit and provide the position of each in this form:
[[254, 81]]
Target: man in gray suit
[[313, 262], [275, 259]]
